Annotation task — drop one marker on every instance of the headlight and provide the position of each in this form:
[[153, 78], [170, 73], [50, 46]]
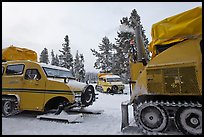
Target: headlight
[[77, 97]]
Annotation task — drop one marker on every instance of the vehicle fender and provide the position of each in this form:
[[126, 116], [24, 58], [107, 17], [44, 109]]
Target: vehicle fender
[[17, 96]]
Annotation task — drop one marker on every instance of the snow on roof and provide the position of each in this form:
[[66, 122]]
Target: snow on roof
[[110, 76], [52, 66], [73, 84]]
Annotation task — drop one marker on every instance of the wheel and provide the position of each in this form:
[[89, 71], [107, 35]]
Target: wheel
[[108, 90], [114, 88], [88, 96], [7, 108], [189, 121], [99, 88], [152, 117]]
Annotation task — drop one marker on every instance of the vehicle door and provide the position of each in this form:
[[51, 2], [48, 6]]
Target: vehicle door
[[34, 90], [12, 77]]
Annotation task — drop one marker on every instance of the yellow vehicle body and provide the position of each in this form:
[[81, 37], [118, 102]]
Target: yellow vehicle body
[[186, 30], [183, 61], [167, 90], [40, 92], [188, 26], [109, 83]]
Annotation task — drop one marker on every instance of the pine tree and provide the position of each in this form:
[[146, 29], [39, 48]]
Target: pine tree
[[146, 43], [122, 47], [66, 58], [52, 57], [82, 72], [55, 60], [76, 65], [44, 56], [104, 56], [79, 70], [60, 60]]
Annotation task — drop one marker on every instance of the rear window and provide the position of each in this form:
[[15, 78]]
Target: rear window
[[15, 69], [113, 80], [101, 79]]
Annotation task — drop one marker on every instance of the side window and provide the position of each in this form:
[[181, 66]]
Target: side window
[[15, 69], [101, 79], [32, 74], [2, 70]]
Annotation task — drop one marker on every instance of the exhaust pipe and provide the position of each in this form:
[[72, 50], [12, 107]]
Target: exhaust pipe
[[139, 43]]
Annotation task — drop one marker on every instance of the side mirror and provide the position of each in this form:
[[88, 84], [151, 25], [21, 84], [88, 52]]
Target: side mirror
[[87, 82], [66, 80]]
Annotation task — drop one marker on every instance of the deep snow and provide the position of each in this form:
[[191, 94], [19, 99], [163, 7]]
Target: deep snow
[[107, 123]]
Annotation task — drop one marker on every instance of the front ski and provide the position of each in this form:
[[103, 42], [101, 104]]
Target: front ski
[[86, 111], [62, 117]]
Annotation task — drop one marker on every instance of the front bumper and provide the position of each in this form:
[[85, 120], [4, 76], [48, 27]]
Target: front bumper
[[121, 87]]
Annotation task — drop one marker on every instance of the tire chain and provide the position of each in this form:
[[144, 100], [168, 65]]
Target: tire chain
[[16, 110], [173, 104]]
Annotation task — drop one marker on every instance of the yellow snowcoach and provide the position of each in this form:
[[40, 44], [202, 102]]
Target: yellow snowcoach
[[109, 83], [29, 85], [167, 90]]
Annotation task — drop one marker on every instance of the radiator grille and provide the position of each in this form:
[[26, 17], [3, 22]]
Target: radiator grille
[[172, 80]]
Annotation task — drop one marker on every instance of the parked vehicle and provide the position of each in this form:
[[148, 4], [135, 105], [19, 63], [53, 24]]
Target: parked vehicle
[[169, 86], [34, 86], [109, 83]]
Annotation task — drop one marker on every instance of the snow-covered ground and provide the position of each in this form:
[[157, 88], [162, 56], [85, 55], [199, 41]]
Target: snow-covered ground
[[107, 123]]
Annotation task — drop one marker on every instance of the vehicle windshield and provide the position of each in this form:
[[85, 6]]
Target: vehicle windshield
[[51, 72], [113, 79]]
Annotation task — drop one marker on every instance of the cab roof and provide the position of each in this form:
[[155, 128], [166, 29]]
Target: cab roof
[[110, 76], [186, 25], [41, 64]]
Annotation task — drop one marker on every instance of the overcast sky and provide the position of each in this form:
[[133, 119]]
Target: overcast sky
[[36, 25]]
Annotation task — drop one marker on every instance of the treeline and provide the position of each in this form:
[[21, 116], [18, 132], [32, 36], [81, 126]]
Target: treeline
[[111, 57], [114, 57], [66, 60]]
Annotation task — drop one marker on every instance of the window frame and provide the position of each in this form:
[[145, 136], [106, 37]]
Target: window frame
[[55, 69], [14, 73], [31, 70]]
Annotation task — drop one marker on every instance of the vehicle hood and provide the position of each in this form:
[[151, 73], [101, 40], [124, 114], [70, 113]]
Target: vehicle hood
[[116, 83], [73, 84], [76, 86]]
